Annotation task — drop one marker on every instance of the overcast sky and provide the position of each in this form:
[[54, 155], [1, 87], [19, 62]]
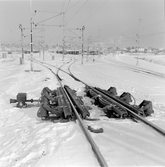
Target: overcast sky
[[115, 21]]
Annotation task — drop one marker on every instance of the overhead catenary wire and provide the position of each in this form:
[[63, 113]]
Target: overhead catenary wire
[[49, 18], [67, 6], [127, 32], [46, 11], [94, 12], [146, 35], [77, 12], [59, 26], [73, 5], [142, 28]]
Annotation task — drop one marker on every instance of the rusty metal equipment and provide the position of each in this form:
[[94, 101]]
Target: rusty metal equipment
[[63, 103], [146, 108], [112, 91], [111, 109], [21, 100], [78, 103], [126, 97]]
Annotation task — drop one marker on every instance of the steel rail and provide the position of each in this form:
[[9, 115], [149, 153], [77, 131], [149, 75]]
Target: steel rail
[[99, 156], [123, 105], [136, 69], [130, 109], [95, 149]]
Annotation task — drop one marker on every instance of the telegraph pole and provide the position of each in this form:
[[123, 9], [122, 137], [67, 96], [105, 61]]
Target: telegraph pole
[[20, 26], [88, 45], [31, 37], [99, 44], [82, 52], [11, 43], [139, 34], [139, 30], [63, 54], [31, 43], [43, 43]]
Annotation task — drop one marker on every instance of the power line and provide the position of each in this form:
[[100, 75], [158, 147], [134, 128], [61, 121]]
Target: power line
[[146, 35], [77, 12], [142, 28], [95, 12], [74, 5], [49, 18], [45, 11], [153, 34], [67, 6], [60, 25]]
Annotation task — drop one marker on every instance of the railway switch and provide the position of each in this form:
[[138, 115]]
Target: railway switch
[[112, 109], [77, 100]]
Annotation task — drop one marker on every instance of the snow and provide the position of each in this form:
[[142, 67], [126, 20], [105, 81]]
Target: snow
[[26, 141]]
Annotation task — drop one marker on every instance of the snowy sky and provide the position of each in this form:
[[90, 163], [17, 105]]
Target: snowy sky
[[116, 21]]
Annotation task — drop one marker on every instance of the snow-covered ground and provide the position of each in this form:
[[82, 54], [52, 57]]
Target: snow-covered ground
[[26, 141]]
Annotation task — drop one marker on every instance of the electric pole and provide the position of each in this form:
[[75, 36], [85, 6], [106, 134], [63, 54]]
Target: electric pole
[[63, 53], [31, 35], [11, 43], [43, 43], [138, 35], [139, 31], [31, 43], [88, 45], [99, 44], [83, 28], [20, 26]]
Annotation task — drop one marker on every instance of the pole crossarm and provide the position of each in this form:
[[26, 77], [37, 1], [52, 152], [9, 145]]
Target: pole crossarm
[[40, 11], [73, 33], [71, 37], [50, 18], [48, 25]]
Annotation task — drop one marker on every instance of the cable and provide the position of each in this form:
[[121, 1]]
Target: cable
[[152, 34], [77, 12], [73, 33], [142, 28], [74, 5], [49, 18], [95, 12], [54, 30], [145, 36], [134, 100], [67, 6], [45, 11], [60, 25]]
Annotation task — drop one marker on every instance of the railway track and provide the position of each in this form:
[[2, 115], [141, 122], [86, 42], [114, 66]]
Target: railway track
[[136, 69], [110, 99], [75, 104]]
